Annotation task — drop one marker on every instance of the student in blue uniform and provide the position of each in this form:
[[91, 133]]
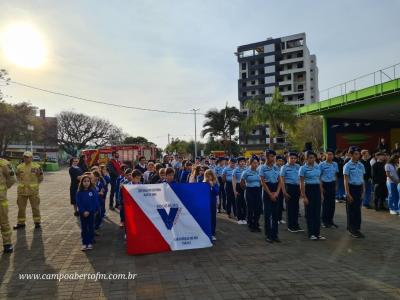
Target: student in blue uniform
[[218, 172], [211, 179], [353, 172], [119, 200], [250, 181], [100, 188], [270, 181], [311, 193], [291, 190], [329, 170], [238, 191], [279, 162], [170, 176], [227, 174], [186, 172], [212, 164], [88, 204]]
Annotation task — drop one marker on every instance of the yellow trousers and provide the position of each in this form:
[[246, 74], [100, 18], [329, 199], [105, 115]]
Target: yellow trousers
[[4, 224], [22, 201]]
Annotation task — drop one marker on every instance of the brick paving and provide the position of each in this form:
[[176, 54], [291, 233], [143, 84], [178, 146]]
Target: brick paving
[[240, 265]]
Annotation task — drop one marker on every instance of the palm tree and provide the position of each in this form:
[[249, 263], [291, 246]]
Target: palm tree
[[222, 124], [276, 114]]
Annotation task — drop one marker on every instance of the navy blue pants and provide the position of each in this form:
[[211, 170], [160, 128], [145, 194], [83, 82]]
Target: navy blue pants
[[280, 205], [240, 203], [222, 195], [101, 212], [313, 209], [292, 206], [328, 205], [353, 209], [254, 206], [271, 213], [230, 198], [87, 228], [113, 184]]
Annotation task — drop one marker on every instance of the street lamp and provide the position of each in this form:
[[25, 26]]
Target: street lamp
[[195, 132]]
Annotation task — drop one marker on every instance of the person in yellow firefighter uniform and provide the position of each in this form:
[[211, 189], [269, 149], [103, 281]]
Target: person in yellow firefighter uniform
[[29, 175], [7, 179]]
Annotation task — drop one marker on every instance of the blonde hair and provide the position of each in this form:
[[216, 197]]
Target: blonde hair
[[210, 174]]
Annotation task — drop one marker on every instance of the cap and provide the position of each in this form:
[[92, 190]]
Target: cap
[[353, 149], [270, 152], [28, 154]]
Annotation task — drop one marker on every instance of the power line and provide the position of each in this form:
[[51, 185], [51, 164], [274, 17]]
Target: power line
[[100, 102]]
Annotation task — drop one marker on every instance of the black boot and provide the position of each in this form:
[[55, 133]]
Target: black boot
[[19, 226], [8, 248]]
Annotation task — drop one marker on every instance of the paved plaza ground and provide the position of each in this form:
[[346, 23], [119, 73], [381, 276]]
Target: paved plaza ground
[[241, 265]]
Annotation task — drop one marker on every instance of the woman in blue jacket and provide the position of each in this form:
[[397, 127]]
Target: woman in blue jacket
[[87, 201]]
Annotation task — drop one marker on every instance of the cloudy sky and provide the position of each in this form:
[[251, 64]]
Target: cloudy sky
[[179, 55]]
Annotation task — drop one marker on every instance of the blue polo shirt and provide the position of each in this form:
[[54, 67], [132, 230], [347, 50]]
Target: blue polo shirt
[[238, 173], [328, 171], [355, 171], [291, 173], [270, 173], [218, 171], [311, 174], [251, 178], [228, 172]]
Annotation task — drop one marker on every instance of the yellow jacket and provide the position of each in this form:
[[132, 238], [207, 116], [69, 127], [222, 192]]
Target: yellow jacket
[[29, 176], [7, 178]]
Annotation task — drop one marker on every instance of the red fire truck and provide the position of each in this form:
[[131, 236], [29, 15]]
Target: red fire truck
[[127, 153]]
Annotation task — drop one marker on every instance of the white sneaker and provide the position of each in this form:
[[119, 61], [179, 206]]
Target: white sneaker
[[240, 222], [213, 238], [320, 237], [393, 212], [313, 238], [244, 222], [83, 248], [282, 222], [89, 247]]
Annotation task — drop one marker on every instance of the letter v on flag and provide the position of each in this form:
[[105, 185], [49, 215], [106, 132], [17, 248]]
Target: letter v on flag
[[163, 217]]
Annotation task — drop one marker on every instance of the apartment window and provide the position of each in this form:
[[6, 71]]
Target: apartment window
[[289, 56], [289, 66], [252, 62], [253, 82], [269, 48], [300, 65], [270, 79], [253, 92], [261, 81], [269, 59], [283, 46], [269, 69], [243, 83], [290, 98], [244, 76], [312, 97], [253, 72], [269, 90], [312, 79], [244, 94], [311, 70], [312, 88], [260, 61], [300, 76], [300, 54], [244, 66], [262, 92], [300, 87]]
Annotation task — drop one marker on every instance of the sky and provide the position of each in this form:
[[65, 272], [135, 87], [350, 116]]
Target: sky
[[179, 55]]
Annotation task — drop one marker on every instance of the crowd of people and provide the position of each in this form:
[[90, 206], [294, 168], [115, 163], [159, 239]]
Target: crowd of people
[[244, 189]]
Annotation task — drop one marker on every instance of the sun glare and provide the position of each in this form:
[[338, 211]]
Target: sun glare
[[24, 46]]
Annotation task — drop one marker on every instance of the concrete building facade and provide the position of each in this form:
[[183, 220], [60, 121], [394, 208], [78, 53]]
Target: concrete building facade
[[284, 63]]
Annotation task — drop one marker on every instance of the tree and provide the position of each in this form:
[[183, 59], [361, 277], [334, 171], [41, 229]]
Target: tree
[[136, 140], [179, 147], [307, 129], [76, 131], [222, 124], [14, 121], [278, 115], [4, 80]]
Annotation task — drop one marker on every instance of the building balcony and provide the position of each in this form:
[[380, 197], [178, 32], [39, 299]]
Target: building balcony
[[291, 60], [285, 82], [294, 49], [291, 71]]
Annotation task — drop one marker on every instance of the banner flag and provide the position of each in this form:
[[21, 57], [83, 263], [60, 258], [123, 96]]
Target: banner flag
[[163, 217]]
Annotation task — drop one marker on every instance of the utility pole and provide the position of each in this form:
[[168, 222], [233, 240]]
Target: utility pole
[[168, 138], [195, 131]]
